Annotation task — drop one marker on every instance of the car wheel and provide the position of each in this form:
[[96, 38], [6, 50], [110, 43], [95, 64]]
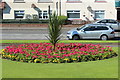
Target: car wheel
[[104, 37], [76, 37]]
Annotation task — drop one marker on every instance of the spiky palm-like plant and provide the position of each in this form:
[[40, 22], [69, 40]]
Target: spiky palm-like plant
[[54, 28]]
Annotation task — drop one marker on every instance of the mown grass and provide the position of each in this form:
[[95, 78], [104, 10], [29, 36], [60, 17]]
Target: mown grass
[[107, 68], [61, 41]]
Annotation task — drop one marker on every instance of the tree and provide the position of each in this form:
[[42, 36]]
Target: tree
[[54, 28]]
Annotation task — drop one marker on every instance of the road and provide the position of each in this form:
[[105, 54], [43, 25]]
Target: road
[[34, 34], [30, 34]]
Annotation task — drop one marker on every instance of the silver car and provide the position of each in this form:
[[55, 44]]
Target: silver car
[[111, 22], [91, 31]]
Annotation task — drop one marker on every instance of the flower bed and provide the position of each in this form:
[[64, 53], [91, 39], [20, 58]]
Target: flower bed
[[44, 53]]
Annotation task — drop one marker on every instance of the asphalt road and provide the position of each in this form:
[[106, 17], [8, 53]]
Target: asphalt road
[[34, 34]]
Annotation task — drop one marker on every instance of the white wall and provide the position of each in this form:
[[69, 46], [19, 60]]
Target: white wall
[[109, 7], [25, 6]]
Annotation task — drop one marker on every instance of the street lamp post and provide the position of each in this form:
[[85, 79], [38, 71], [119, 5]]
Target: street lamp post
[[49, 10], [60, 7]]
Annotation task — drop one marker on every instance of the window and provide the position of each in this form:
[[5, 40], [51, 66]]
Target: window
[[101, 28], [103, 21], [40, 14], [18, 0], [44, 14], [73, 14], [44, 1], [90, 28], [112, 21], [19, 14], [95, 28], [100, 1], [108, 21], [99, 14], [72, 1]]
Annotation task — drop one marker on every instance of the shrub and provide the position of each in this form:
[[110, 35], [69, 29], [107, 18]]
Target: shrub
[[64, 53], [54, 29], [65, 19]]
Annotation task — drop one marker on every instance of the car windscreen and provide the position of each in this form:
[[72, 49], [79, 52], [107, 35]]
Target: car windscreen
[[81, 27]]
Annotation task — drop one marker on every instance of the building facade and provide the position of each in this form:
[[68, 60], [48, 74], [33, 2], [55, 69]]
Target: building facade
[[73, 9]]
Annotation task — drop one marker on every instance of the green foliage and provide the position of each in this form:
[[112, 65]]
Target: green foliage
[[63, 18], [54, 28]]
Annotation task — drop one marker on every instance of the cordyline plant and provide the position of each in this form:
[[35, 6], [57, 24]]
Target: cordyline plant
[[54, 28]]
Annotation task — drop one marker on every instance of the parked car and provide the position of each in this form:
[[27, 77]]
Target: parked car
[[111, 22], [91, 31]]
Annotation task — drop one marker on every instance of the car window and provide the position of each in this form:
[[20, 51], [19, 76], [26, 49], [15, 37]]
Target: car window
[[90, 28], [101, 28], [81, 27], [112, 21], [103, 21]]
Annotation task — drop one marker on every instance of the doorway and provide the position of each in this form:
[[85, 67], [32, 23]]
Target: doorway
[[118, 14], [1, 14]]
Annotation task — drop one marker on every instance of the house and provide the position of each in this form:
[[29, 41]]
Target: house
[[73, 9]]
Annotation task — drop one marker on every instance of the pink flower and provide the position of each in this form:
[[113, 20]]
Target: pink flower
[[103, 48], [33, 52], [34, 56], [50, 56], [66, 55], [57, 56], [78, 56], [11, 53], [45, 50], [27, 55]]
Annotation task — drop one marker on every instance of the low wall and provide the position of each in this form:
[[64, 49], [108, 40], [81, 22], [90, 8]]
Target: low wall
[[24, 25], [33, 25]]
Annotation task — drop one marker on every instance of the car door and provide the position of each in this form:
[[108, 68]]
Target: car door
[[100, 30], [88, 32]]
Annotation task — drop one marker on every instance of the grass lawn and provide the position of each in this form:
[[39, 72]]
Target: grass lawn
[[93, 69], [62, 41]]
